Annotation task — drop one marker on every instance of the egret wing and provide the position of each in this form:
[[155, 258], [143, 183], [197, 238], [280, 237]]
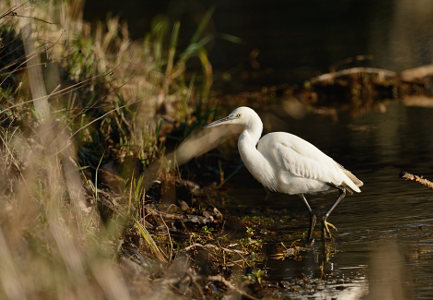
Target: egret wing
[[295, 155], [307, 164], [300, 158]]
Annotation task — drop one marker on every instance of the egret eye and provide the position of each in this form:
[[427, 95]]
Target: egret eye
[[238, 115]]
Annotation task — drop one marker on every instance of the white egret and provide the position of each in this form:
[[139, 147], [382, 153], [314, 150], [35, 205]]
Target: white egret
[[286, 163]]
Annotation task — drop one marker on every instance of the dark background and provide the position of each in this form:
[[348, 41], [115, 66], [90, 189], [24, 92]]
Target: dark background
[[294, 39]]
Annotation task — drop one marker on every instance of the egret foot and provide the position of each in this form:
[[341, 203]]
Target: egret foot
[[326, 230]]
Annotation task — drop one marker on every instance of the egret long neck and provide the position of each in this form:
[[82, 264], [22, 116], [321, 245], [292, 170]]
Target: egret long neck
[[255, 162]]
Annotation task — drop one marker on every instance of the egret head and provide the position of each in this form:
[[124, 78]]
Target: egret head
[[241, 116]]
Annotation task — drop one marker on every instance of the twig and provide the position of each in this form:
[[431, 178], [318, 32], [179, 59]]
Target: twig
[[195, 245], [208, 247], [169, 237], [421, 180], [35, 18], [212, 246], [238, 252], [184, 218], [229, 285], [12, 11]]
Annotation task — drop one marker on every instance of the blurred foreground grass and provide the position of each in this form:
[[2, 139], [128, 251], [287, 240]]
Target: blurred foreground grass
[[77, 101]]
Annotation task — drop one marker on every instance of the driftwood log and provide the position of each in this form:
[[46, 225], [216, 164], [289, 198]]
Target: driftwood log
[[329, 77], [408, 75], [365, 87], [417, 73]]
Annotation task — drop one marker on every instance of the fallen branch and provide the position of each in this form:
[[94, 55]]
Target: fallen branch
[[408, 176]]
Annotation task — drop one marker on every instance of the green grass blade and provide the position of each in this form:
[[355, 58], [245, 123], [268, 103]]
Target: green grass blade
[[194, 48], [231, 38], [174, 35], [202, 25]]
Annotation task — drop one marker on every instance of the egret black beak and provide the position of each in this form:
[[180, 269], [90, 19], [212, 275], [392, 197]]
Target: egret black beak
[[220, 121]]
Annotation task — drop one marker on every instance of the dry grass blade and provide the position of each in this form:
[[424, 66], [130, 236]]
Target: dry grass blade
[[148, 238], [169, 237]]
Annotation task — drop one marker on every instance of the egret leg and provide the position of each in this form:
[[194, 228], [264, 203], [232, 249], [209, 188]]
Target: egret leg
[[326, 224], [313, 219]]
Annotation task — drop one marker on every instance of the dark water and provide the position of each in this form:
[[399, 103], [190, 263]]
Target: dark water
[[391, 218]]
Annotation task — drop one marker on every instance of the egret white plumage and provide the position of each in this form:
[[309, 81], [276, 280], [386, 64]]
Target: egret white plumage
[[286, 163]]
